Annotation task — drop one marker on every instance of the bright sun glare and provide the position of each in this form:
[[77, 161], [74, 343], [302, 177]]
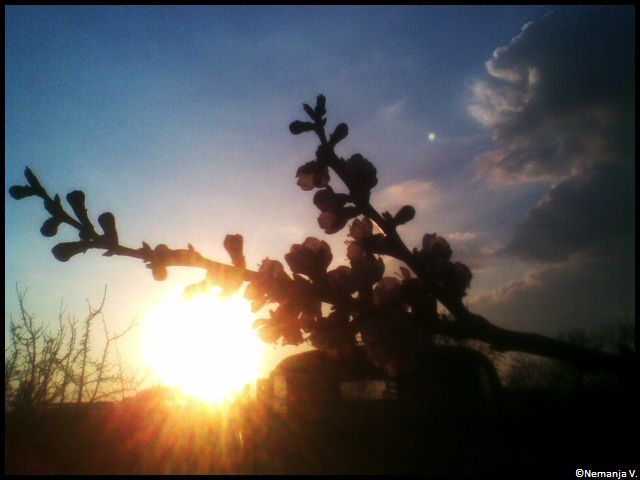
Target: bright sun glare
[[204, 346]]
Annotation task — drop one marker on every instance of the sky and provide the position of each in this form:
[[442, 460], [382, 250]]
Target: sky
[[176, 120]]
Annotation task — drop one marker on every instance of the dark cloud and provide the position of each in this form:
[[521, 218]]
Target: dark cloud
[[593, 212], [560, 96], [584, 291], [560, 101]]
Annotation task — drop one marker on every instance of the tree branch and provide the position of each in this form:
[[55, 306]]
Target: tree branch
[[433, 282]]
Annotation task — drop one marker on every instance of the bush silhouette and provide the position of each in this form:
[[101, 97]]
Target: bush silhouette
[[46, 366]]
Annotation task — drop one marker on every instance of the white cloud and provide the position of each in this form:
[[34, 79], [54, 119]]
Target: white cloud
[[421, 194], [462, 237]]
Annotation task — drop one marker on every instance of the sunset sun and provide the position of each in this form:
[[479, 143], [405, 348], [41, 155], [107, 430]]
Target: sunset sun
[[204, 346]]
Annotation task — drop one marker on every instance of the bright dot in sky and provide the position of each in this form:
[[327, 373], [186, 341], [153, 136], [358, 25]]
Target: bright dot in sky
[[204, 346], [432, 136]]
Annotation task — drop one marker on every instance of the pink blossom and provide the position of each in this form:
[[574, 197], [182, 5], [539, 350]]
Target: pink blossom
[[387, 291], [312, 175], [311, 258]]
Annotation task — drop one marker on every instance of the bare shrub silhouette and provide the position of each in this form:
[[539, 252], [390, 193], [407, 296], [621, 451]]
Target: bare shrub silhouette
[[395, 318], [45, 365]]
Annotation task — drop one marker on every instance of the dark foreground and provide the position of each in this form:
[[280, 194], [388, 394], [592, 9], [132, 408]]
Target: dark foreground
[[536, 433]]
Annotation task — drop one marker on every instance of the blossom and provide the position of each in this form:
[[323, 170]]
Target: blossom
[[327, 200], [312, 175], [342, 278], [355, 251], [435, 247], [268, 331], [455, 276], [463, 276], [360, 173], [233, 244], [367, 271], [285, 322], [268, 285], [361, 228], [359, 231], [334, 215], [367, 242], [334, 335], [312, 258], [387, 291], [333, 222]]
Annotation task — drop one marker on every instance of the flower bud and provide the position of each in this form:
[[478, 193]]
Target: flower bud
[[297, 127], [404, 215], [64, 251], [76, 199], [361, 173], [159, 272], [328, 221], [50, 227], [108, 224], [463, 276], [307, 108], [327, 200], [321, 106], [233, 244], [33, 180], [271, 267], [339, 134], [19, 192]]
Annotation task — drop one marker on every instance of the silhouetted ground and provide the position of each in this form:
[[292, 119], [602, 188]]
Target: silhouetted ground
[[540, 432]]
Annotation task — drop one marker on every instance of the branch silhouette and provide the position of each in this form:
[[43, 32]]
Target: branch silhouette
[[394, 317]]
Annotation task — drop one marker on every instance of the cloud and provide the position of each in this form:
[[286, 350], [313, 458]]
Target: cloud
[[592, 212], [474, 249], [556, 298], [559, 100], [421, 194], [560, 97]]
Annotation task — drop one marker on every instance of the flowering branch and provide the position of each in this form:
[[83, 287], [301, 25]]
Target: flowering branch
[[394, 317]]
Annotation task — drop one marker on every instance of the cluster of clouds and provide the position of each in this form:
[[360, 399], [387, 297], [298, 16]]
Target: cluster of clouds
[[560, 102]]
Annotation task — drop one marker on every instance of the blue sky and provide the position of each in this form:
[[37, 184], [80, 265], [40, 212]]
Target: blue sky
[[176, 120]]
